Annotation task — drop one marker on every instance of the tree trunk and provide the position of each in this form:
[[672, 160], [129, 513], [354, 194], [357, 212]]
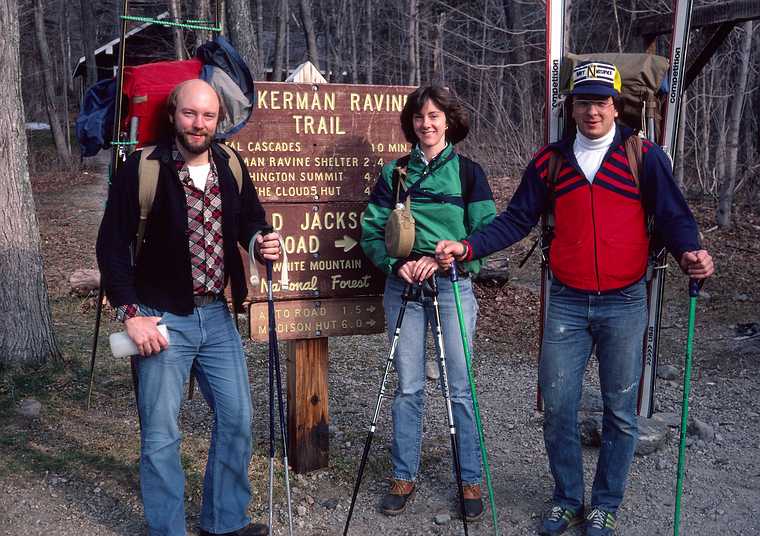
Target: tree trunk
[[242, 35], [437, 76], [203, 13], [370, 44], [260, 37], [279, 42], [308, 31], [726, 199], [354, 52], [27, 336], [63, 33], [178, 35], [46, 65], [412, 44], [678, 171], [88, 41]]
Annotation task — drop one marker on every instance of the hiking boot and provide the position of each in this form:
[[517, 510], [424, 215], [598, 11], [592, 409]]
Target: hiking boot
[[600, 523], [254, 529], [559, 519], [473, 502], [398, 496]]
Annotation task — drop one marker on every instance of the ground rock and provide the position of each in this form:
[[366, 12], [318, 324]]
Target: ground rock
[[668, 372], [442, 519], [590, 427], [652, 435], [591, 401], [700, 429], [29, 408], [668, 418], [84, 281]]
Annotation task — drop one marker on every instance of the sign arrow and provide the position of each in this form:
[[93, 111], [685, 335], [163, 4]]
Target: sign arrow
[[347, 243], [370, 322], [371, 309]]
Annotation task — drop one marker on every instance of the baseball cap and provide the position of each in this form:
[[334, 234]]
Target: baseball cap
[[595, 78]]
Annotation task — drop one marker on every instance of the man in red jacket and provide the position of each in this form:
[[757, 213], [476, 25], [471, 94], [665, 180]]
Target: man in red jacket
[[188, 254], [598, 260]]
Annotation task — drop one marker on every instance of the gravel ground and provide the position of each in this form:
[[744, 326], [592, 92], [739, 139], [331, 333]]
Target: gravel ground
[[71, 472]]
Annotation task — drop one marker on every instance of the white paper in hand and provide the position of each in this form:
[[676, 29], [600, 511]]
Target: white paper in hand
[[123, 346]]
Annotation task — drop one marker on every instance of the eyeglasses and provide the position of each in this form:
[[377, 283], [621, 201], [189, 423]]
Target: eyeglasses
[[586, 105]]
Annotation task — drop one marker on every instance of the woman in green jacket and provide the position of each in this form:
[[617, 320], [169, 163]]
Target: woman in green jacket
[[452, 198]]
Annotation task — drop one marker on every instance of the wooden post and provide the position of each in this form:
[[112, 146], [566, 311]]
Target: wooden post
[[308, 418]]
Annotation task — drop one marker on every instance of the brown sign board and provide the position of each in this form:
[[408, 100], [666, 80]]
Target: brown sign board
[[308, 319], [324, 255], [321, 142]]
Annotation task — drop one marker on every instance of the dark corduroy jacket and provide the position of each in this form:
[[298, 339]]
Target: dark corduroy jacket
[[161, 277]]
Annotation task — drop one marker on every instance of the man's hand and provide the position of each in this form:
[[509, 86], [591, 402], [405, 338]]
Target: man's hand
[[697, 264], [446, 251], [143, 332], [268, 246]]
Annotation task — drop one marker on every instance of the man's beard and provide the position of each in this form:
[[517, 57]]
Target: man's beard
[[183, 138]]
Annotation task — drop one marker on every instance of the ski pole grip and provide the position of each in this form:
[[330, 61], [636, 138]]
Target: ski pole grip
[[454, 275], [694, 286]]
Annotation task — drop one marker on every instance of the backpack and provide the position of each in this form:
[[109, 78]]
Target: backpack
[[148, 180], [399, 229]]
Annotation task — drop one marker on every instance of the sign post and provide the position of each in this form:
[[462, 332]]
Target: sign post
[[314, 151]]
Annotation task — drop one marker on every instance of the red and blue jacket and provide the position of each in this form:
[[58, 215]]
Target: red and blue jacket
[[600, 241]]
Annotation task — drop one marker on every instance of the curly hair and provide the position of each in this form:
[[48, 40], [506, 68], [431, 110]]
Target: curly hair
[[457, 118]]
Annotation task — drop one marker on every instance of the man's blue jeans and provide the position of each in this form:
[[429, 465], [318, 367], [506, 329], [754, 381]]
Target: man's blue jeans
[[208, 336], [409, 402], [576, 321]]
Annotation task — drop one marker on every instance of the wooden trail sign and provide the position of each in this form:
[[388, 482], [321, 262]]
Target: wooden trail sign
[[314, 152]]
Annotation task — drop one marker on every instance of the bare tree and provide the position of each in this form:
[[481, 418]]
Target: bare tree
[[242, 34], [726, 199], [308, 31], [27, 337], [88, 40], [203, 13], [279, 54], [177, 32], [49, 85], [411, 78], [370, 44]]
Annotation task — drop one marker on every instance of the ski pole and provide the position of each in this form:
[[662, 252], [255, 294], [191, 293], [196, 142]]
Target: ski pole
[[694, 286], [447, 396], [275, 378], [405, 297], [476, 408]]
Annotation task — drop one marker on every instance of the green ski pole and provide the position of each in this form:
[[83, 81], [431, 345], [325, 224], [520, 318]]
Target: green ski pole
[[694, 285], [468, 360]]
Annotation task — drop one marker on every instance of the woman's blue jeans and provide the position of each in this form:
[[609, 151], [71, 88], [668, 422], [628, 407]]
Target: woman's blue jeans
[[409, 401], [209, 338], [576, 322]]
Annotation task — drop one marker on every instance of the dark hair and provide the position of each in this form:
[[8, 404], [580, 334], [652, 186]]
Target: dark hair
[[457, 118], [171, 102]]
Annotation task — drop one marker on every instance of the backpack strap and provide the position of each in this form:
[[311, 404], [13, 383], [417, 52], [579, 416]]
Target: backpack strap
[[234, 164], [633, 152], [466, 177], [398, 170], [147, 173]]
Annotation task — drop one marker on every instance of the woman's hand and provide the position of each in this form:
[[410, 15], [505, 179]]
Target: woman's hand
[[426, 267]]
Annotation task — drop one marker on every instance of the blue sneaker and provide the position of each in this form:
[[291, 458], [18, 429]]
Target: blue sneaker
[[559, 519], [600, 523]]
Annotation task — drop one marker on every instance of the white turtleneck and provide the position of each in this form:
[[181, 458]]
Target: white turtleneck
[[590, 153]]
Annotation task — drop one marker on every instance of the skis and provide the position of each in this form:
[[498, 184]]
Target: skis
[[553, 121], [658, 255]]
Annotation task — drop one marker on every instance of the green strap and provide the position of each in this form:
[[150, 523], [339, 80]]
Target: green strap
[[168, 22]]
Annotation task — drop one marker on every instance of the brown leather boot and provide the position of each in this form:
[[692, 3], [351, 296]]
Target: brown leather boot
[[398, 496], [473, 502]]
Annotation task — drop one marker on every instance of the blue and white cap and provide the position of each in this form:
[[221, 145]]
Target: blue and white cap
[[596, 78]]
